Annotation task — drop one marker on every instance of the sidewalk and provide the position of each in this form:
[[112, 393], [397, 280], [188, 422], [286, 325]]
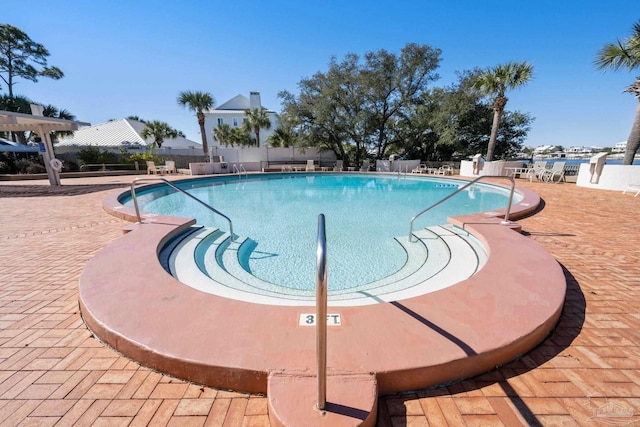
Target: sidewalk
[[52, 372]]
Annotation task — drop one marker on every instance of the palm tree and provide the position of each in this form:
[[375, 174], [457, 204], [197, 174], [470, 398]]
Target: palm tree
[[198, 102], [158, 131], [281, 137], [494, 82], [222, 134], [257, 119], [626, 55], [53, 111]]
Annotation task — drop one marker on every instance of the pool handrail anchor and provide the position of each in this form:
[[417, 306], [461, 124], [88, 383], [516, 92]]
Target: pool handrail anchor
[[180, 190], [321, 313], [505, 221]]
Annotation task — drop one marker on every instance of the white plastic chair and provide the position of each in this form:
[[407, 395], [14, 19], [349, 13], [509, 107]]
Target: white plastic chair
[[632, 188], [555, 174], [152, 169], [170, 166]]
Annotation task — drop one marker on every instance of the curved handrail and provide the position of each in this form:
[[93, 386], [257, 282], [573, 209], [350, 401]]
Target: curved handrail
[[166, 181], [469, 184], [240, 170], [321, 313]]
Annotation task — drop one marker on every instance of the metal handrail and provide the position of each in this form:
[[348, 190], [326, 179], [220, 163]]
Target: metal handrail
[[166, 181], [321, 313], [240, 170], [506, 216]]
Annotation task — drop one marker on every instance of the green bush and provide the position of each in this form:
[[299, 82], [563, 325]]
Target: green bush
[[93, 155], [68, 166], [36, 168], [144, 157]]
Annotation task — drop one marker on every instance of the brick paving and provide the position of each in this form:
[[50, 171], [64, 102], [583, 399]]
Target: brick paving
[[53, 372]]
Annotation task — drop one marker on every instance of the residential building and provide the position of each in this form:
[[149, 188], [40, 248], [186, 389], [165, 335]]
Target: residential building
[[620, 147], [124, 133], [232, 113]]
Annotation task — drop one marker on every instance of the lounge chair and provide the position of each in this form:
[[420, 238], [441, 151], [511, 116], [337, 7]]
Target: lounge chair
[[631, 188], [444, 170], [153, 169], [338, 166], [537, 170], [170, 166], [365, 166], [555, 174], [310, 166]]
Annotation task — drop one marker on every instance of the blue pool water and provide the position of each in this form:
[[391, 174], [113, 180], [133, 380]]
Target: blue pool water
[[364, 214]]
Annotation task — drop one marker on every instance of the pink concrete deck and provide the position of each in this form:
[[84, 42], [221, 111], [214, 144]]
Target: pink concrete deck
[[464, 330], [53, 372]]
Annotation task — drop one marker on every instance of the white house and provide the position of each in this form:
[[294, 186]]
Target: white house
[[120, 133], [579, 150], [543, 149], [233, 114], [620, 147]]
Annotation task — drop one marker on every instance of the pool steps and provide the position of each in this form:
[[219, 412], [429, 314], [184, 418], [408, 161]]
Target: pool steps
[[205, 259]]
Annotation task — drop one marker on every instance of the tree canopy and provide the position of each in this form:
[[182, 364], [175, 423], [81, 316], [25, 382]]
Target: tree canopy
[[625, 54], [494, 83], [158, 131], [22, 57], [384, 103], [257, 119], [198, 102]]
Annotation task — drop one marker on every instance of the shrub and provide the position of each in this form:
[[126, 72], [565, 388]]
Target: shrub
[[36, 168], [22, 165], [93, 155]]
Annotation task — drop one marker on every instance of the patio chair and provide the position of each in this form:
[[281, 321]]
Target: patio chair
[[445, 170], [153, 169], [170, 166], [338, 166], [631, 188], [310, 166], [537, 170], [555, 174], [365, 166]]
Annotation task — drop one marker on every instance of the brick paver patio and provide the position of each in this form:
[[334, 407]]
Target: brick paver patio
[[53, 372]]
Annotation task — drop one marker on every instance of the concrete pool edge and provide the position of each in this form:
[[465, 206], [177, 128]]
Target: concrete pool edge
[[442, 339]]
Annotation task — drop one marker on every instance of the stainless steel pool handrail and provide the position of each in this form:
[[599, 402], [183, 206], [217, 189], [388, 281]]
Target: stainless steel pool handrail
[[166, 181], [240, 171], [460, 189], [321, 313]]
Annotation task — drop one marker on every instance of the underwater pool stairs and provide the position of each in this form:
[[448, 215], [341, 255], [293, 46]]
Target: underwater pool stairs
[[408, 331], [207, 260]]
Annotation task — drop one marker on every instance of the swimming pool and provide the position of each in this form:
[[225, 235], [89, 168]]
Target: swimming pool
[[365, 214], [429, 338]]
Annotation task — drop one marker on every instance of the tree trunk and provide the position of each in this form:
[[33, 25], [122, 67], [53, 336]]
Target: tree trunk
[[203, 134], [494, 134], [633, 142]]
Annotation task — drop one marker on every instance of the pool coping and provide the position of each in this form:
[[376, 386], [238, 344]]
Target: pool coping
[[448, 335]]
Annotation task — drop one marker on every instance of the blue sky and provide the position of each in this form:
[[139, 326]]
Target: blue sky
[[124, 58]]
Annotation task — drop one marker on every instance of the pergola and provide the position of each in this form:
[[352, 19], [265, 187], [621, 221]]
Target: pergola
[[43, 126]]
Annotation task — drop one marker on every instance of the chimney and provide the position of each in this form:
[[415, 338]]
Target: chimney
[[254, 100]]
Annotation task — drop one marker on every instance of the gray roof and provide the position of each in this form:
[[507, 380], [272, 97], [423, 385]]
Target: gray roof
[[117, 133], [239, 102]]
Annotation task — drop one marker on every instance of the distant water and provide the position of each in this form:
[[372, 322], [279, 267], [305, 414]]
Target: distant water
[[580, 161]]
